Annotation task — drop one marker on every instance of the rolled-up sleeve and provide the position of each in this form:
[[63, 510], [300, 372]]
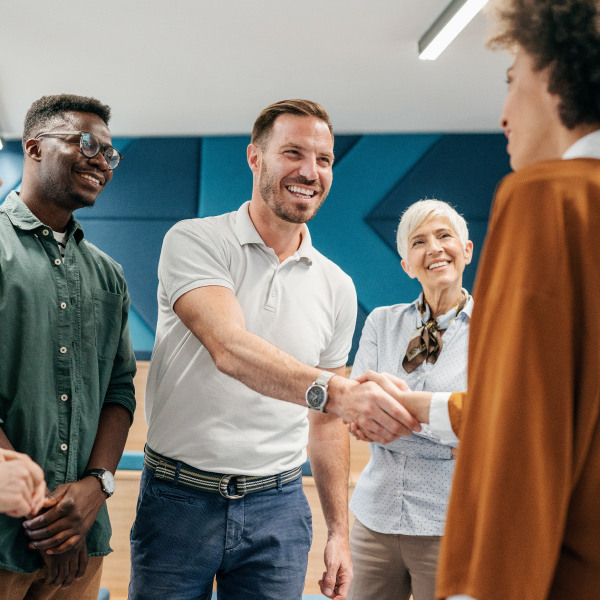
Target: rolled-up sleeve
[[120, 388]]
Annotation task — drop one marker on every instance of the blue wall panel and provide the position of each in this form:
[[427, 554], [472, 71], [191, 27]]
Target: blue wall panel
[[164, 180], [363, 178], [461, 169], [226, 179], [135, 244], [158, 178], [11, 167]]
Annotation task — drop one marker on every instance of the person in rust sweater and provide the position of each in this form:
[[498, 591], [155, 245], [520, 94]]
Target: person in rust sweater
[[523, 521]]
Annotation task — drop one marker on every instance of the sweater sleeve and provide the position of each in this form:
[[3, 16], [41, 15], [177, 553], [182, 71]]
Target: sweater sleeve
[[455, 406]]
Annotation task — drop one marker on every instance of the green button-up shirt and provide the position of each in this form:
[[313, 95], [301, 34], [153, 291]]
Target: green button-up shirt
[[65, 352]]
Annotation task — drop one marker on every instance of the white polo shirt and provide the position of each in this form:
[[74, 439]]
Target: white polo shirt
[[305, 306]]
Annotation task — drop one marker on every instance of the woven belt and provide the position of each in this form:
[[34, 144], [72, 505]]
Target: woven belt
[[166, 469]]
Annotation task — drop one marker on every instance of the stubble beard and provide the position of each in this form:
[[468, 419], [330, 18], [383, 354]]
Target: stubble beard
[[270, 192]]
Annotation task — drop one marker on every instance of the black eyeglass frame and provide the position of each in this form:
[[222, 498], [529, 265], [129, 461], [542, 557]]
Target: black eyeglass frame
[[101, 147]]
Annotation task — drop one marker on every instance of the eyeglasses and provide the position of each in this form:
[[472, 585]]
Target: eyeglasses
[[89, 146]]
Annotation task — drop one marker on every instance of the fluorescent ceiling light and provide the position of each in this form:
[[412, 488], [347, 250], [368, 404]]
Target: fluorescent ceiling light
[[447, 26]]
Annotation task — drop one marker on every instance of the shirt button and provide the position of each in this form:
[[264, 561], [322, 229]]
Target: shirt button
[[63, 305], [57, 261], [45, 232], [63, 447], [399, 492], [63, 350], [64, 397]]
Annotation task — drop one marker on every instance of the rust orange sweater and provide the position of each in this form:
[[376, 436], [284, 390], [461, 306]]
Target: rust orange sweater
[[524, 515]]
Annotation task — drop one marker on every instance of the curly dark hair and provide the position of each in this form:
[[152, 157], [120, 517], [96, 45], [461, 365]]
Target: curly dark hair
[[48, 107], [563, 35], [303, 108]]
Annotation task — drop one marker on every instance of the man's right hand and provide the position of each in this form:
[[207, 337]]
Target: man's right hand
[[375, 411], [417, 403], [63, 569]]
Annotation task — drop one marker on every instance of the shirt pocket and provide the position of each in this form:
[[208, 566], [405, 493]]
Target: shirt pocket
[[108, 313]]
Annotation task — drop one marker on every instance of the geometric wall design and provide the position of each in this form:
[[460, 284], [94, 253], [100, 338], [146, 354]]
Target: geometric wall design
[[460, 169], [164, 180]]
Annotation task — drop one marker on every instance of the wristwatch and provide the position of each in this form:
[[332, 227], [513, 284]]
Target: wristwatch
[[107, 481], [316, 394]]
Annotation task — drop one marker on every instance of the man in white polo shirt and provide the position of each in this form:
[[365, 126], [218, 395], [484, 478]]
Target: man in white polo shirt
[[254, 324]]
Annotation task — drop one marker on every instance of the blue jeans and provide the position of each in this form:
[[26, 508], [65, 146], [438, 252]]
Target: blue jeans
[[256, 546]]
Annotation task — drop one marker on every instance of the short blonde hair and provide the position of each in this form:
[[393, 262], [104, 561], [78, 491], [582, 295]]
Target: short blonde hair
[[419, 212]]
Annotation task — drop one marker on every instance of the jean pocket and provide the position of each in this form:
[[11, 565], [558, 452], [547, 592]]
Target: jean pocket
[[108, 313], [174, 496]]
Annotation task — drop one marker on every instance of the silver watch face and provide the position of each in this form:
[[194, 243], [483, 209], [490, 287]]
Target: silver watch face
[[316, 396], [108, 482]]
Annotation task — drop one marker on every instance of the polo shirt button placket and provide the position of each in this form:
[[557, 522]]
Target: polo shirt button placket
[[272, 295]]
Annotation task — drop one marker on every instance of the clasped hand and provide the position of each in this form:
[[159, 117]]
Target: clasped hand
[[59, 532], [399, 390]]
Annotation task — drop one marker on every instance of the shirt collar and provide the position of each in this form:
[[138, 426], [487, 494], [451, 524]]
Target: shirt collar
[[246, 234], [22, 218], [586, 147], [466, 311]]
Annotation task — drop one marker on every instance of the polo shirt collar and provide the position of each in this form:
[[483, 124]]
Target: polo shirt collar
[[306, 251], [246, 234], [22, 218]]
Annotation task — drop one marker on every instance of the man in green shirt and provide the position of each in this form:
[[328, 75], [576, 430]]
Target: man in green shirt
[[66, 361]]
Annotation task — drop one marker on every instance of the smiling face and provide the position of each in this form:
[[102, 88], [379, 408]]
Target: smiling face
[[66, 177], [436, 257], [530, 116], [293, 171]]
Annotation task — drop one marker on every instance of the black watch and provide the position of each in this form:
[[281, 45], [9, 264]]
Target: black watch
[[316, 394], [106, 479]]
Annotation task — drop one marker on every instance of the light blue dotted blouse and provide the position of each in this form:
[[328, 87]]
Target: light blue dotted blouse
[[405, 486]]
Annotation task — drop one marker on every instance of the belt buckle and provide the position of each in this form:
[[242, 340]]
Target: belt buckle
[[224, 485]]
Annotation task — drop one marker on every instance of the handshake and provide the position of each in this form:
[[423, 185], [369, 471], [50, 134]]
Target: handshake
[[378, 407]]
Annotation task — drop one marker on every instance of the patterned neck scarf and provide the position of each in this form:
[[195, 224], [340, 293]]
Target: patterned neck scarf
[[426, 342]]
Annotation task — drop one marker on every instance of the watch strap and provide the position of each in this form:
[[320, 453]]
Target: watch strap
[[94, 473], [100, 474], [324, 378]]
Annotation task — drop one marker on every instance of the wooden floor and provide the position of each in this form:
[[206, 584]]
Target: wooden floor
[[121, 507]]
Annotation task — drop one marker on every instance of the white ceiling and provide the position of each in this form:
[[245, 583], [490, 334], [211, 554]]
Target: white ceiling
[[199, 67]]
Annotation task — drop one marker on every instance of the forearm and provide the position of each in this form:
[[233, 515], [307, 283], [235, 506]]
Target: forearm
[[264, 368], [329, 454], [215, 317], [113, 428]]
